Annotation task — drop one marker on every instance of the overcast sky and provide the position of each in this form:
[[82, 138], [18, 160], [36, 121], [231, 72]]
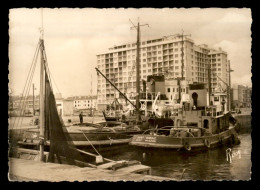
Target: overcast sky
[[73, 38]]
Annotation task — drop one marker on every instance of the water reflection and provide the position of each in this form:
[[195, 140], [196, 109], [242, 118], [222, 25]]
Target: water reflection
[[203, 165]]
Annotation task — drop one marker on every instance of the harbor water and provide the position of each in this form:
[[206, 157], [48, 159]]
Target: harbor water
[[205, 164], [209, 164]]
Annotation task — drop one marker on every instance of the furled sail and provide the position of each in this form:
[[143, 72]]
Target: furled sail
[[61, 147]]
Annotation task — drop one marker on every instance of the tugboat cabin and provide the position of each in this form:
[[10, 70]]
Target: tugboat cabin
[[202, 112]]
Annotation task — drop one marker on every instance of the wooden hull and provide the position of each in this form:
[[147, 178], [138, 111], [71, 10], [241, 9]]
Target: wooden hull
[[187, 143], [83, 139]]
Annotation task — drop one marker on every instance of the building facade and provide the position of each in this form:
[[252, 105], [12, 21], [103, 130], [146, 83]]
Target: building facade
[[72, 105], [27, 104], [241, 96], [84, 102], [164, 56], [172, 89], [65, 106]]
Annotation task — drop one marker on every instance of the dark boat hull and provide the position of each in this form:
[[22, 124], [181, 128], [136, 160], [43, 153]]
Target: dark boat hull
[[187, 143], [83, 139]]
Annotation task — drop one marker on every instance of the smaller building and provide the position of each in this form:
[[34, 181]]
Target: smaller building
[[84, 102], [68, 107], [241, 96], [29, 104], [173, 90]]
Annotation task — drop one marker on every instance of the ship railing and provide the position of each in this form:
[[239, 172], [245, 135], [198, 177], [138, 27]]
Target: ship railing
[[168, 128], [155, 130]]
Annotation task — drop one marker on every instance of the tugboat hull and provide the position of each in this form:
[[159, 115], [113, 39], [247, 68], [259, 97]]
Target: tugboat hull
[[187, 143]]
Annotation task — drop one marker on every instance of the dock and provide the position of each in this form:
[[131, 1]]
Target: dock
[[28, 170], [244, 121]]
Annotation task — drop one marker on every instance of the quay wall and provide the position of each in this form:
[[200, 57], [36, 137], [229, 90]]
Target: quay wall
[[244, 121], [28, 170]]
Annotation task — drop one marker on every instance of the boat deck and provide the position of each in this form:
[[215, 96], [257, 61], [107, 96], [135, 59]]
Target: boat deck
[[28, 170]]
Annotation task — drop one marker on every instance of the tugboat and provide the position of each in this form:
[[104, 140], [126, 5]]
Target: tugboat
[[200, 123]]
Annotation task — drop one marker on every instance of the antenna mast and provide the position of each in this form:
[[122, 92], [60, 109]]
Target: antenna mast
[[138, 119], [42, 92], [182, 60]]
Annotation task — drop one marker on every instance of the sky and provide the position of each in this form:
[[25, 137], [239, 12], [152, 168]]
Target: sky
[[73, 38]]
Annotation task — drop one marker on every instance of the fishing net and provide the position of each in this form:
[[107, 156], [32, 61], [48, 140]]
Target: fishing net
[[62, 149]]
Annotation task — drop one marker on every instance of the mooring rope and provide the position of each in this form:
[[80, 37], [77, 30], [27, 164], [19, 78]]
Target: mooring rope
[[90, 143]]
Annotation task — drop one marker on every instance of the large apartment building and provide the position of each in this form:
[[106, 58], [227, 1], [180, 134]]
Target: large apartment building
[[157, 57]]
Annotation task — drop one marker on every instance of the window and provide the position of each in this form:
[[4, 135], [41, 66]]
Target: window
[[169, 89], [173, 89]]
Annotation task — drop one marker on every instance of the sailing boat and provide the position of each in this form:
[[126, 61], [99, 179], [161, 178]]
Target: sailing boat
[[52, 131], [51, 126], [89, 135], [79, 135]]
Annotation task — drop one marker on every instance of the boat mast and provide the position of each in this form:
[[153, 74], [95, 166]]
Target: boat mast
[[229, 86], [91, 111], [182, 56], [33, 100], [138, 74], [138, 116], [179, 79], [42, 93], [209, 80]]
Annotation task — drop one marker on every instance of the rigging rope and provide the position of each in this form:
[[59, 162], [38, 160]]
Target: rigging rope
[[45, 64], [48, 70], [27, 91], [26, 83]]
